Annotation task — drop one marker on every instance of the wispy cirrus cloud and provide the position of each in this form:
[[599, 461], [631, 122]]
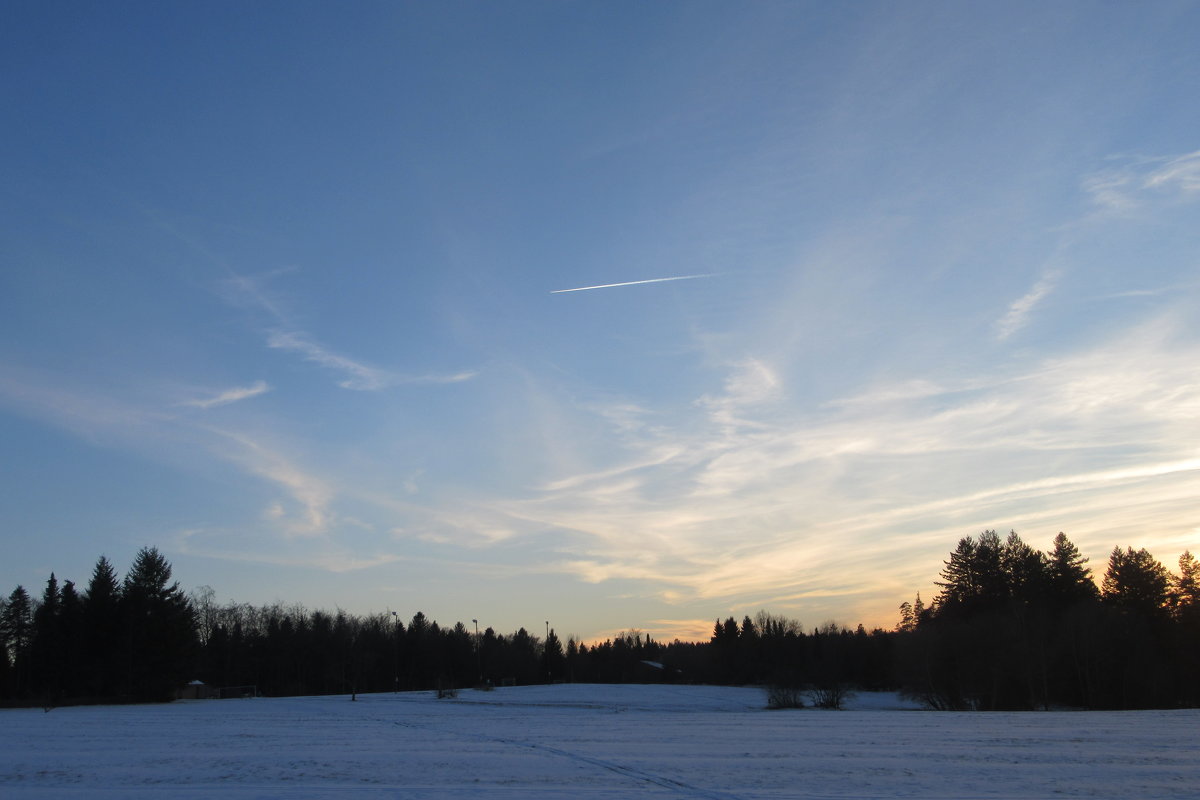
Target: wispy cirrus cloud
[[1181, 174], [1019, 311], [804, 504], [358, 376], [751, 383], [251, 291], [1127, 187], [148, 428], [229, 396]]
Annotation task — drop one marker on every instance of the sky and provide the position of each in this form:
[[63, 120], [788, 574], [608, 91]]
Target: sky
[[608, 315]]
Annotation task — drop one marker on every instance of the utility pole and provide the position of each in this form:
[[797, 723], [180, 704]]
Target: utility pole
[[478, 663], [395, 654]]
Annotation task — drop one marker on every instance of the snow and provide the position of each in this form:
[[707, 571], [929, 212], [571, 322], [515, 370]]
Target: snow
[[590, 741]]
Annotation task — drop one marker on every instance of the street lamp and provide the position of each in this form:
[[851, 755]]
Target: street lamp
[[478, 663], [395, 655]]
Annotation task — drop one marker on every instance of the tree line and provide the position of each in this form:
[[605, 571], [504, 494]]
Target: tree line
[[1010, 628], [129, 640], [1015, 628]]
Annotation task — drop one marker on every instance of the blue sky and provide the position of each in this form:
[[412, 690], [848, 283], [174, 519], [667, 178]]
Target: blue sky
[[280, 293]]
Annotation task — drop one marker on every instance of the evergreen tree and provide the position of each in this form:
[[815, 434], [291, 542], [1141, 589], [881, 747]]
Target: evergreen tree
[[103, 642], [552, 658], [725, 648], [1185, 589], [5, 664], [1024, 569], [46, 651], [1136, 580], [160, 628], [973, 579], [572, 658], [17, 625], [911, 615], [71, 628], [1070, 581], [959, 582]]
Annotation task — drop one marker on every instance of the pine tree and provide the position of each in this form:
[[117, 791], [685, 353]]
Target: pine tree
[[959, 581], [46, 651], [1024, 569], [973, 579], [160, 627], [103, 641], [1185, 589], [1070, 580], [5, 664], [17, 625], [1136, 580], [552, 657], [71, 628]]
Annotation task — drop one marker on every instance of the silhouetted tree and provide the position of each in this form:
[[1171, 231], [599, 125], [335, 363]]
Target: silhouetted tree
[[47, 652], [160, 628], [553, 661], [71, 628], [17, 625], [1025, 572], [973, 579], [1070, 581], [1185, 588], [1135, 580], [103, 643]]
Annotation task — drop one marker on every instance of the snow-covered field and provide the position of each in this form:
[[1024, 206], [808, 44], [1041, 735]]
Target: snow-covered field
[[592, 742]]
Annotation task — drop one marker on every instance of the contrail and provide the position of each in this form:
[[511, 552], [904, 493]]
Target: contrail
[[633, 283]]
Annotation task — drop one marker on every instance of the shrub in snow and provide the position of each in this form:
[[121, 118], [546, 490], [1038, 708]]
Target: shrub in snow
[[829, 695], [781, 696]]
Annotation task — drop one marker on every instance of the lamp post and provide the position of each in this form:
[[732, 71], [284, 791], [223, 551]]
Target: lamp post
[[395, 655], [478, 663]]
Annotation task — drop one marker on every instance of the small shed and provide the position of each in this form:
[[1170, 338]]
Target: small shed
[[655, 672], [196, 690]]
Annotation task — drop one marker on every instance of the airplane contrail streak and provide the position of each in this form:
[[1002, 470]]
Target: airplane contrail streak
[[632, 283]]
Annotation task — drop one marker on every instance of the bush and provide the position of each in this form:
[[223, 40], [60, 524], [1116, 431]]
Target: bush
[[829, 695], [779, 696]]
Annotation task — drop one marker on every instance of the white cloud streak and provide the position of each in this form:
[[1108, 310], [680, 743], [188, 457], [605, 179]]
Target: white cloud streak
[[230, 396], [1126, 188], [633, 283], [753, 501], [311, 495], [359, 376], [1182, 174], [1017, 316], [173, 438]]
